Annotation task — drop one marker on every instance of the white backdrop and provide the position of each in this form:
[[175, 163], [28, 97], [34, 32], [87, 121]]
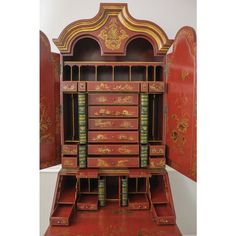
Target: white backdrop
[[170, 15]]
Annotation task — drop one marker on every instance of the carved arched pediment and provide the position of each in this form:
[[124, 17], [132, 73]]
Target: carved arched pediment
[[113, 27]]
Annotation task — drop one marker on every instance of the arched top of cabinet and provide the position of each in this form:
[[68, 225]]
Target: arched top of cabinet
[[113, 28]]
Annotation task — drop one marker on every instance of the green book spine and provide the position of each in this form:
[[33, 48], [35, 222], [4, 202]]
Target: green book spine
[[124, 192], [144, 155], [101, 192], [82, 118], [82, 156], [144, 118]]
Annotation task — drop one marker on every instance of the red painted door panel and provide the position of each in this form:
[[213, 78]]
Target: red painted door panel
[[49, 105], [181, 103]]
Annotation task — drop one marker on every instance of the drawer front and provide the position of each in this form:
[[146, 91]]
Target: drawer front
[[113, 99], [166, 220], [157, 162], [69, 150], [59, 221], [116, 162], [81, 86], [156, 87], [113, 149], [113, 111], [113, 137], [113, 87], [139, 206], [87, 206], [113, 124], [157, 150], [69, 86], [69, 162]]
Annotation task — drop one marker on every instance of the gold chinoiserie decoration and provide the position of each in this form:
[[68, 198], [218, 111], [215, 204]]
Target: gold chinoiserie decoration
[[113, 35]]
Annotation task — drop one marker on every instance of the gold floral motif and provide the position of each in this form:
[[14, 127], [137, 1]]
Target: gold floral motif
[[126, 124], [124, 150], [125, 100], [100, 137], [102, 99], [125, 137], [178, 133], [123, 87], [102, 124], [106, 87], [122, 163], [159, 164], [104, 150], [184, 75], [102, 86], [102, 163], [113, 35], [69, 87], [45, 123], [70, 151], [157, 150], [106, 112], [157, 87]]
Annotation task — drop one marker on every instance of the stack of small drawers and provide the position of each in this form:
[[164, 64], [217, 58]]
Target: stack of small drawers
[[113, 136]]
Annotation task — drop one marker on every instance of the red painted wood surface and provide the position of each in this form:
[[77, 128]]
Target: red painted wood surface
[[113, 136], [69, 149], [157, 162], [113, 99], [49, 105], [113, 124], [69, 86], [181, 102], [114, 149], [156, 150], [112, 87], [112, 220], [115, 162], [69, 162]]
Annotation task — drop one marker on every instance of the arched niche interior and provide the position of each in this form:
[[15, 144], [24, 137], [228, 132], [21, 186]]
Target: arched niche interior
[[88, 64]]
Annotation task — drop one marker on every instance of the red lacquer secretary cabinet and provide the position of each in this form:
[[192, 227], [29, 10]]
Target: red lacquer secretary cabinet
[[126, 109]]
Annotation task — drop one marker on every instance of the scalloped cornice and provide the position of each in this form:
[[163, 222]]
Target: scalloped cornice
[[113, 18]]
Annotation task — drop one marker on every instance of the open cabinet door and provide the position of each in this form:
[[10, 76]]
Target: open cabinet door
[[49, 104], [181, 103]]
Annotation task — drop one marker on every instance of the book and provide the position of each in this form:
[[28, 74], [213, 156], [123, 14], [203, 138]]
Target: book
[[82, 156], [124, 192], [82, 118], [101, 192], [144, 118]]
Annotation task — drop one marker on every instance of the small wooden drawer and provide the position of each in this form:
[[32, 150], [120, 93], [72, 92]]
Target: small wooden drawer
[[113, 86], [144, 87], [164, 214], [62, 214], [69, 86], [70, 162], [113, 137], [138, 202], [81, 86], [157, 162], [113, 124], [157, 150], [113, 111], [87, 202], [156, 87], [113, 99], [111, 150], [69, 149], [116, 162]]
